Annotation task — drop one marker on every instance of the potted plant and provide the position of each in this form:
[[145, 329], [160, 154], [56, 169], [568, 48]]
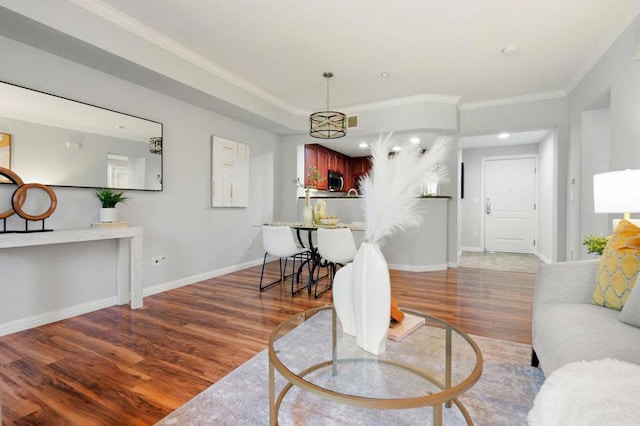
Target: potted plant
[[595, 243], [109, 199]]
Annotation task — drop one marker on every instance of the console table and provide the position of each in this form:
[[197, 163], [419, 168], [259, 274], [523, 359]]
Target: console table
[[128, 253]]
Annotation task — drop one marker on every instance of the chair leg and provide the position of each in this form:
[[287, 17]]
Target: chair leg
[[330, 273], [268, 286], [293, 275]]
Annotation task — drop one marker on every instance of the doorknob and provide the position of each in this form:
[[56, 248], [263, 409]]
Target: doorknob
[[487, 205]]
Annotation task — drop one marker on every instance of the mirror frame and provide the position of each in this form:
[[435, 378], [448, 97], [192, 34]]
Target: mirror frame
[[91, 109]]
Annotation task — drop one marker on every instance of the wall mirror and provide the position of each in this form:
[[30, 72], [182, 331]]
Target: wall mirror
[[61, 142]]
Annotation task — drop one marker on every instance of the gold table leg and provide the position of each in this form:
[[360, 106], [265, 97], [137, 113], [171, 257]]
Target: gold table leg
[[447, 379], [273, 416]]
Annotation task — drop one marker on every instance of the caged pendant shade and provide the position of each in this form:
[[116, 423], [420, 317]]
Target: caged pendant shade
[[327, 124]]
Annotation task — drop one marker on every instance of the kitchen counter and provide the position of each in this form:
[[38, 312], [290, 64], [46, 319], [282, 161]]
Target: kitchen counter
[[419, 249]]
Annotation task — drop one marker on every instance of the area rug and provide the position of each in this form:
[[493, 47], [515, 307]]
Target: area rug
[[503, 395]]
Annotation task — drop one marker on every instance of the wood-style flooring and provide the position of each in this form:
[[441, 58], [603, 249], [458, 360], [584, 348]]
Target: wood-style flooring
[[121, 367]]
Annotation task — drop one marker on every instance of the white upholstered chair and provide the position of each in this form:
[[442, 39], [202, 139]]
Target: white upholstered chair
[[278, 242], [337, 247]]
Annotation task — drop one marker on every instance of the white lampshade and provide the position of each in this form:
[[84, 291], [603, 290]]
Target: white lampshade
[[617, 192]]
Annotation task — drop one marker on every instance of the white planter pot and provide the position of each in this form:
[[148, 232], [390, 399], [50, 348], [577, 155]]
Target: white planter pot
[[108, 215], [371, 298]]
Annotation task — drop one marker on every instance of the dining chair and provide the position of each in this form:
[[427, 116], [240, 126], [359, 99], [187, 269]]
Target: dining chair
[[278, 242], [337, 247]]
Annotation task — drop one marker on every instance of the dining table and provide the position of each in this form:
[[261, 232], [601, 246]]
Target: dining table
[[315, 258]]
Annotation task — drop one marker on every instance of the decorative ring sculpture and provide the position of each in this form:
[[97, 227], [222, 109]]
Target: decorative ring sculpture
[[14, 178], [21, 194], [19, 198]]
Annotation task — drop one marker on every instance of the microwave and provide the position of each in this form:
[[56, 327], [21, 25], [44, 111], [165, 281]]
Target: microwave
[[335, 181]]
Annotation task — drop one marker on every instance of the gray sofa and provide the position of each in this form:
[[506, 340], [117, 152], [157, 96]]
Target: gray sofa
[[567, 327]]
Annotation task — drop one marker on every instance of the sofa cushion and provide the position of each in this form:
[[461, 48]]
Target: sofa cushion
[[618, 267], [569, 332], [631, 311]]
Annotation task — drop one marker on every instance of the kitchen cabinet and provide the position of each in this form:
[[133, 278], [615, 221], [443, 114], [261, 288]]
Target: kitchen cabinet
[[361, 166], [323, 167], [310, 160], [336, 162], [326, 159]]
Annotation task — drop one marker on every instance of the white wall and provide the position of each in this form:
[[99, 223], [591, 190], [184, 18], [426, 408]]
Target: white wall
[[472, 205], [617, 74], [596, 140], [196, 240], [546, 238]]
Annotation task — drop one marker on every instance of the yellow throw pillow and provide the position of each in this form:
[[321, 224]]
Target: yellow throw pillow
[[618, 267]]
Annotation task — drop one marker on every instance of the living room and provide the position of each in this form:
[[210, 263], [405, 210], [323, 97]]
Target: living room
[[75, 50]]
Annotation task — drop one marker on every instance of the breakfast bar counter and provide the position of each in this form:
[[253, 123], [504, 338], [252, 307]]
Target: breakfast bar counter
[[419, 249]]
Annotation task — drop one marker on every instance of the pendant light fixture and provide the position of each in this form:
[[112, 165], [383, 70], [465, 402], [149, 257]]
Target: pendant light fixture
[[327, 124]]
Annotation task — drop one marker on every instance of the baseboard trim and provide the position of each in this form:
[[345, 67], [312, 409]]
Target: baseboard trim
[[418, 268], [474, 249], [160, 288], [72, 311], [49, 317], [541, 257]]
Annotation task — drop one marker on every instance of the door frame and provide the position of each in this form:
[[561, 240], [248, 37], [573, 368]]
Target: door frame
[[483, 162]]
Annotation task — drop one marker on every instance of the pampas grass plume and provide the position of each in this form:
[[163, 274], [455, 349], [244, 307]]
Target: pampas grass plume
[[390, 188]]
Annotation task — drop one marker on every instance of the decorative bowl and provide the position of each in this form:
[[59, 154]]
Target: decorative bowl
[[329, 220]]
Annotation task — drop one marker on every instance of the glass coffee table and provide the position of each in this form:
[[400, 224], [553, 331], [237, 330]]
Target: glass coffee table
[[432, 366]]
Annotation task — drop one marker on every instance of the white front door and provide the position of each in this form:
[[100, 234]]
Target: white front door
[[509, 209]]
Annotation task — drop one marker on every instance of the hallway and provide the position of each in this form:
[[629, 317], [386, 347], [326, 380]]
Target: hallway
[[496, 261]]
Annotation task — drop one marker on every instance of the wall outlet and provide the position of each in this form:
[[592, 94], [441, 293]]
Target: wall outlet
[[157, 260]]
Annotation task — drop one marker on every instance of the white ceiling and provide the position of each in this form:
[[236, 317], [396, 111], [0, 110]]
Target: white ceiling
[[435, 47], [276, 51]]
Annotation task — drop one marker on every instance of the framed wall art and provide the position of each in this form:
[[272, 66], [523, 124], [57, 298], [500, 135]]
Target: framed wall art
[[229, 173]]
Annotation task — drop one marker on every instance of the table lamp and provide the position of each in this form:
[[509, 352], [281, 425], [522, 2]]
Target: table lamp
[[617, 192]]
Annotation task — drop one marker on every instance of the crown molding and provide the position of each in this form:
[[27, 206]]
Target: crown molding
[[532, 97], [149, 34], [409, 100]]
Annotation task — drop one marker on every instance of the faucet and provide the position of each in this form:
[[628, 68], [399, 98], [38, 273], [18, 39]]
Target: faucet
[[355, 192]]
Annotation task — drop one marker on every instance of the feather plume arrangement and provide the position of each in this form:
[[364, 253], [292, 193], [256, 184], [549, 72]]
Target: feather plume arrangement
[[390, 189]]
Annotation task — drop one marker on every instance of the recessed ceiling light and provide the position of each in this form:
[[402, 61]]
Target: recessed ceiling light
[[414, 141], [396, 148], [363, 145], [511, 50], [503, 135], [384, 74]]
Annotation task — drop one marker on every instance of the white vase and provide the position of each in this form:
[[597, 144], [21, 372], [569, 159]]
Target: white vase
[[108, 215], [371, 298], [343, 298]]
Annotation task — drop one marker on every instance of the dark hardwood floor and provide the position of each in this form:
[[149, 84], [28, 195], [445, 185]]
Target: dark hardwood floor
[[122, 367]]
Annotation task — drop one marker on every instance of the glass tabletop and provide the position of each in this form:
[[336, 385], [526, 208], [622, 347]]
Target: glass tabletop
[[432, 365]]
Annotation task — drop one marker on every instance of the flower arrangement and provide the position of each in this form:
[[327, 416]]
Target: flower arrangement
[[314, 177], [595, 243]]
